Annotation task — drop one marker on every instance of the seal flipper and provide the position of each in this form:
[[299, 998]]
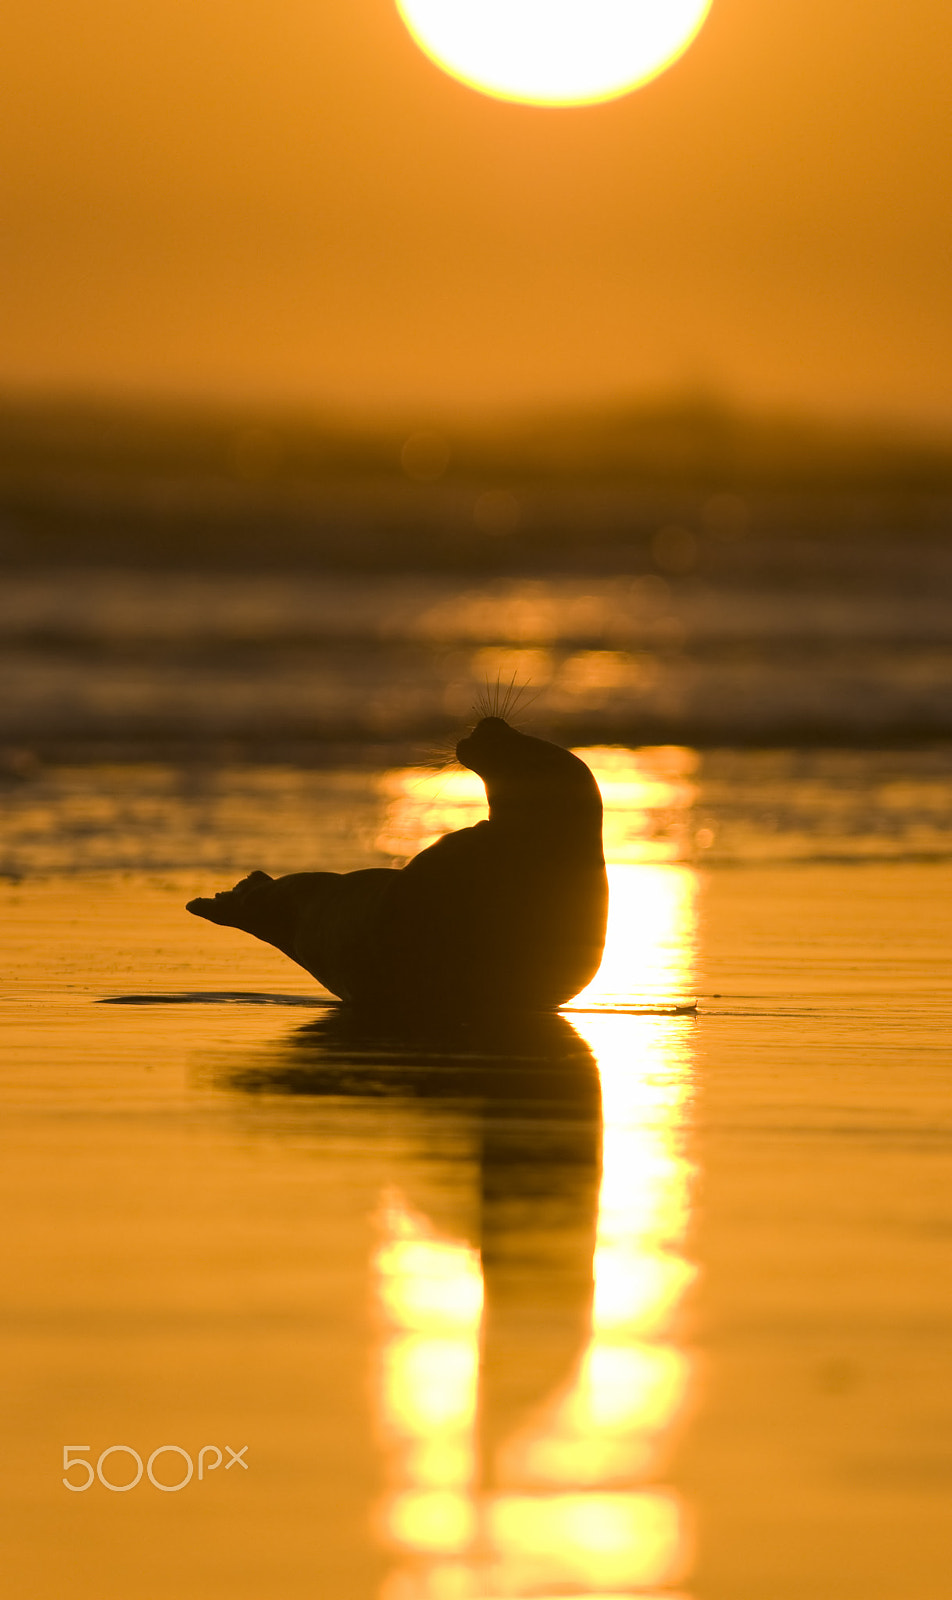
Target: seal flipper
[[230, 908], [318, 919]]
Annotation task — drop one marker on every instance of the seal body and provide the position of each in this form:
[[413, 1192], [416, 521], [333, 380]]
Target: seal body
[[507, 914]]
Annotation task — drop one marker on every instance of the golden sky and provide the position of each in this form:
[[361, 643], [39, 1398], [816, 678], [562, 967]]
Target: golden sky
[[284, 199]]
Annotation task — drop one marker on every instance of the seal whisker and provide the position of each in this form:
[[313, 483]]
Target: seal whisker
[[508, 698], [439, 757], [488, 703], [519, 703]]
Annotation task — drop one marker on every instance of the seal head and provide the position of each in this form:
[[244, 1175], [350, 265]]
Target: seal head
[[536, 787]]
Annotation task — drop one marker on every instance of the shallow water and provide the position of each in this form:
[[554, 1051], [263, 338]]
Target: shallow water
[[635, 1300], [842, 639]]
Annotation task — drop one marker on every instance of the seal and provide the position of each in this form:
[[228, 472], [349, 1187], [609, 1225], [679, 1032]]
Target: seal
[[506, 915]]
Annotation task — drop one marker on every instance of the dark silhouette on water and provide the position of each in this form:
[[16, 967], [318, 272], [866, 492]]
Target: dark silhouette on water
[[509, 914], [528, 1088]]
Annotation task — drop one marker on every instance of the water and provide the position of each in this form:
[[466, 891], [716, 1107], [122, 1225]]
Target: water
[[769, 642], [638, 1300]]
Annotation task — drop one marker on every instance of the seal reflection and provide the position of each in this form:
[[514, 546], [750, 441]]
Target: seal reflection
[[529, 1371], [572, 1494], [530, 1376], [527, 1089]]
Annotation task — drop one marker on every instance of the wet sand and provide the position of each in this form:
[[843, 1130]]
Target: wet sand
[[371, 1259]]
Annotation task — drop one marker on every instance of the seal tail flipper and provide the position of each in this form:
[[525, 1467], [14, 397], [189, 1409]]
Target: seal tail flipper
[[240, 907], [272, 909], [318, 919]]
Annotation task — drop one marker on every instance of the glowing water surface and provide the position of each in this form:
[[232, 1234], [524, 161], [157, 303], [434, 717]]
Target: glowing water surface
[[622, 1302], [573, 1498]]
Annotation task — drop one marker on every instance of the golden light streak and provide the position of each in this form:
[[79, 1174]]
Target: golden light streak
[[429, 1384], [430, 1283], [430, 1296], [579, 1505], [634, 1378], [599, 1540], [648, 795], [422, 806], [435, 1520], [650, 935]]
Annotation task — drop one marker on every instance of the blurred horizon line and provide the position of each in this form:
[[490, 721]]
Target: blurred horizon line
[[103, 480], [605, 430], [688, 434]]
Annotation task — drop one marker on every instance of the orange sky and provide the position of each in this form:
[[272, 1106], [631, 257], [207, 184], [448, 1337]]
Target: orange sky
[[284, 199]]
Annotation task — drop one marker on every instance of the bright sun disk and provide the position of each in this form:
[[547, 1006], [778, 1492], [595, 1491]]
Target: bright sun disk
[[553, 52]]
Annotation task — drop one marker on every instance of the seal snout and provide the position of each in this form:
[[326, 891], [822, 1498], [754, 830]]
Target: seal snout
[[485, 737]]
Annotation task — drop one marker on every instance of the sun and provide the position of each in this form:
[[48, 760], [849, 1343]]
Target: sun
[[554, 52]]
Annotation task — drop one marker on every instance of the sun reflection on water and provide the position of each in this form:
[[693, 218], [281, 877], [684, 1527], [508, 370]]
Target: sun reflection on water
[[648, 796], [430, 1294], [578, 1498]]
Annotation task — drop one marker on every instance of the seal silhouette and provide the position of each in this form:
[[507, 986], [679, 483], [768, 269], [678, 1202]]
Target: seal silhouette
[[508, 914]]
